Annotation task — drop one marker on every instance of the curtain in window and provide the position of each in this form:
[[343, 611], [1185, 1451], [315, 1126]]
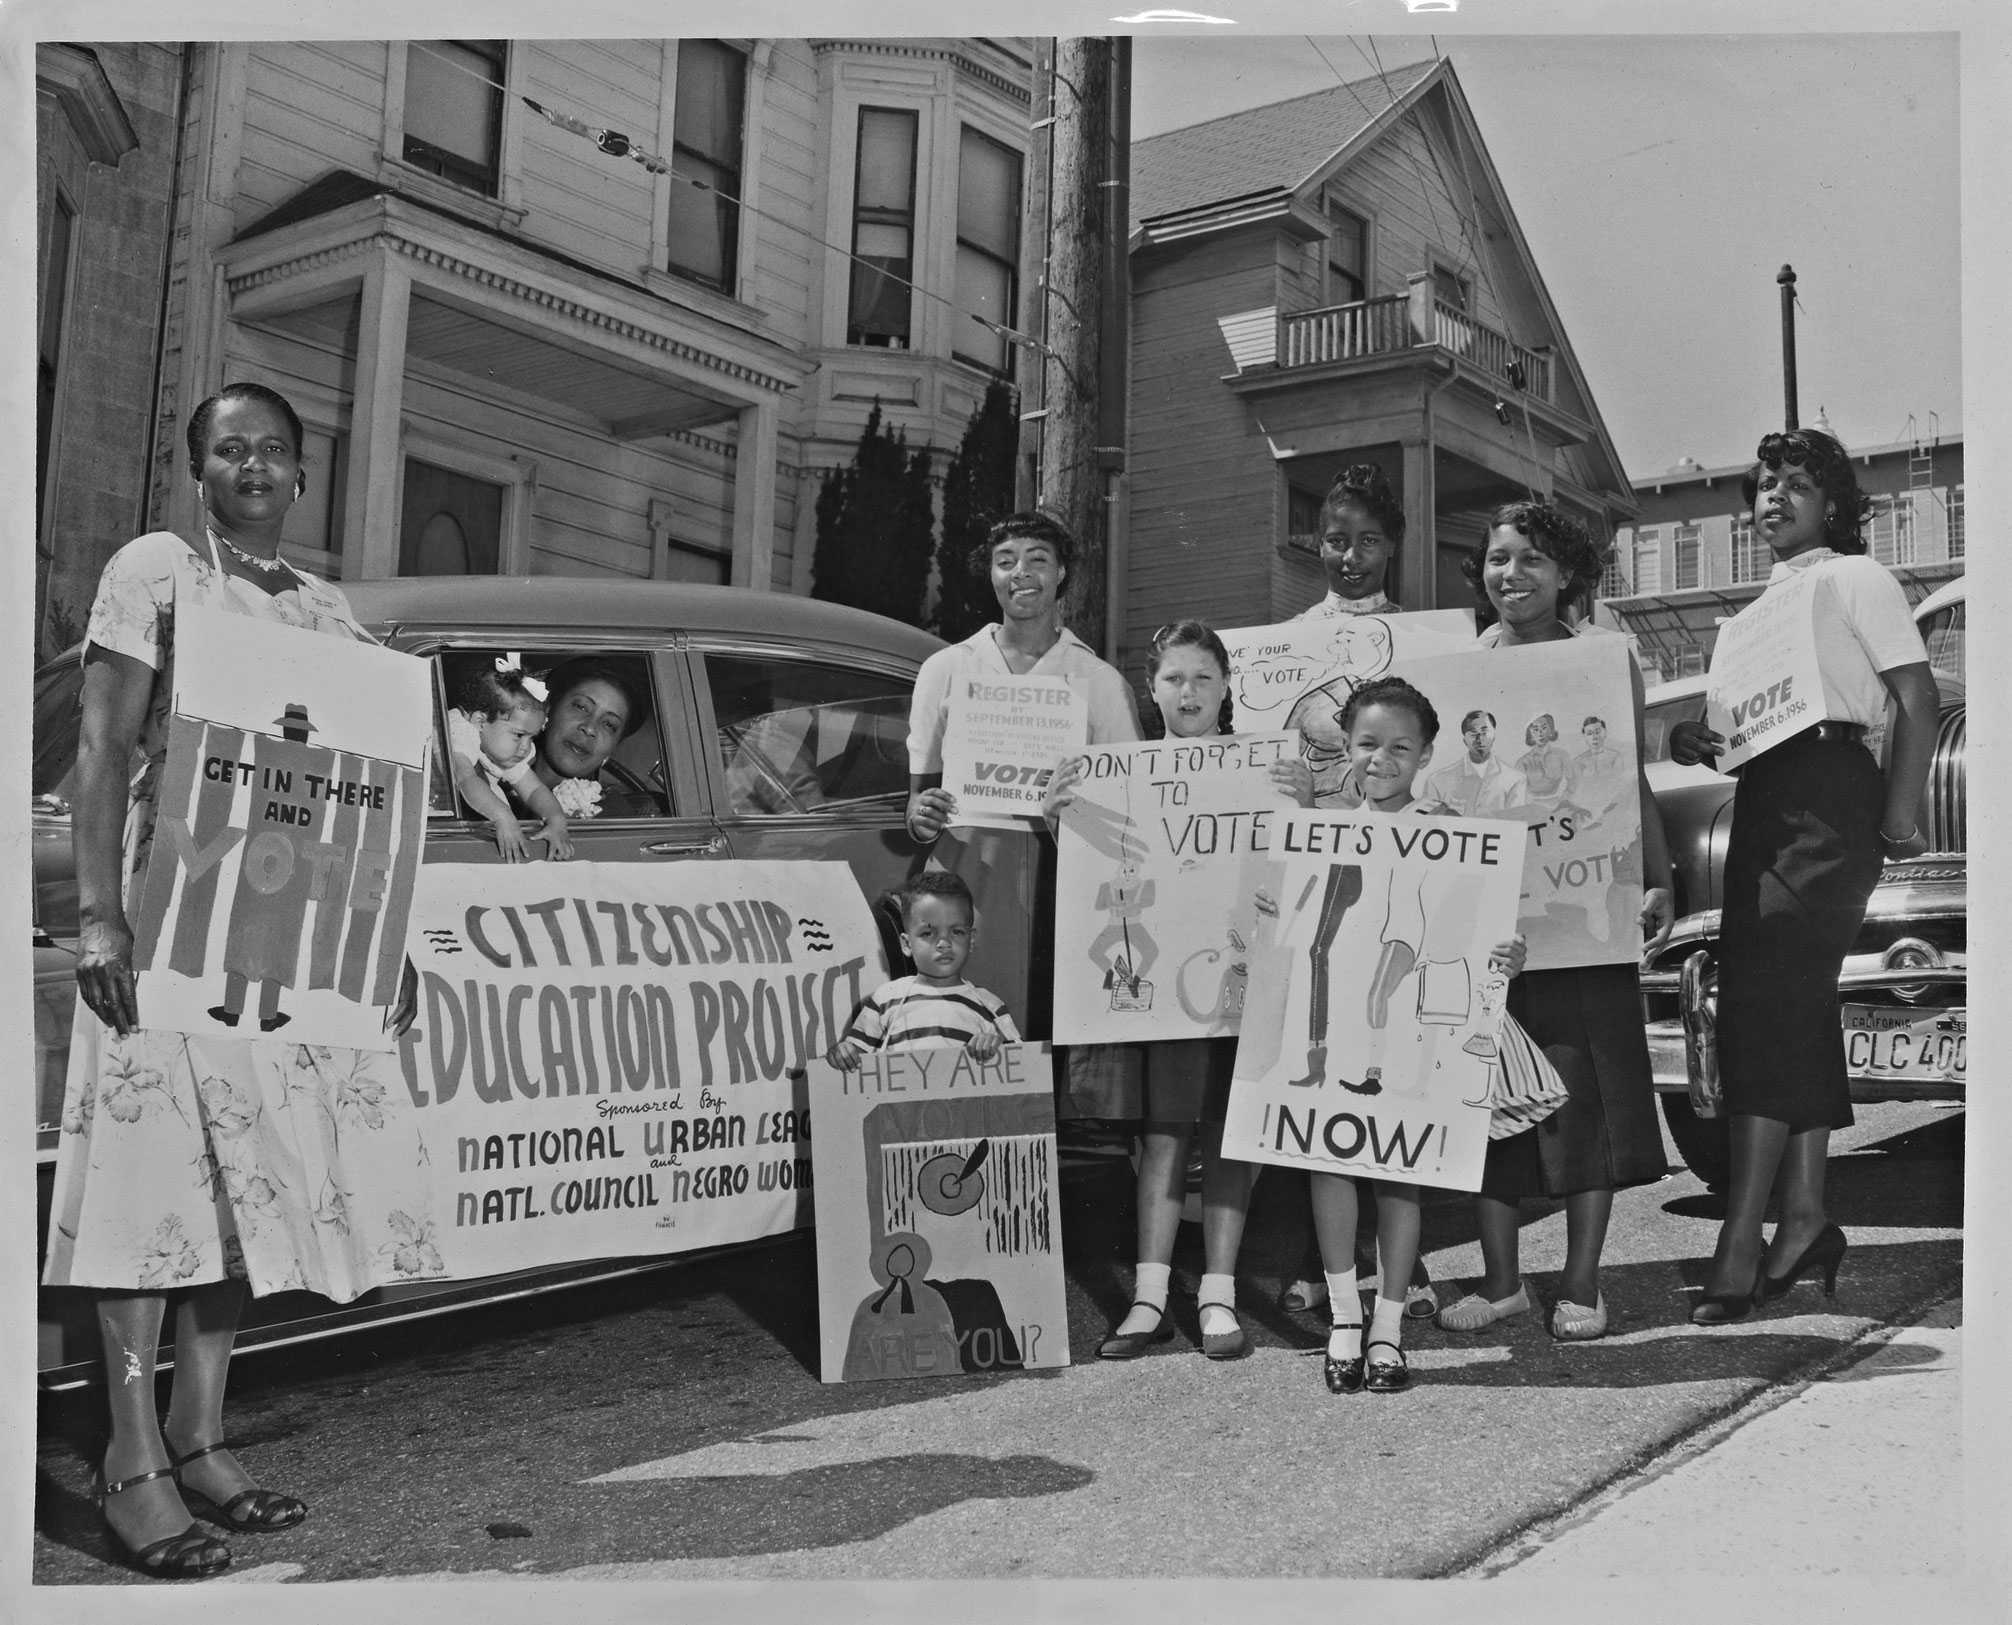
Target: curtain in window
[[706, 146], [988, 246], [883, 229]]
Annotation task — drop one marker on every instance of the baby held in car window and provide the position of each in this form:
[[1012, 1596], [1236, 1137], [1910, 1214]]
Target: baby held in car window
[[491, 734]]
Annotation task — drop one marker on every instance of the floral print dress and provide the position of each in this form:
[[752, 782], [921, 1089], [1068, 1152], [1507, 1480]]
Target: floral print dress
[[189, 1160]]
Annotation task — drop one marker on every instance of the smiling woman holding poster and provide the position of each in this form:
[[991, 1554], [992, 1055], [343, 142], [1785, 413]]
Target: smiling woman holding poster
[[205, 1164], [1812, 821], [1586, 1018], [1028, 557]]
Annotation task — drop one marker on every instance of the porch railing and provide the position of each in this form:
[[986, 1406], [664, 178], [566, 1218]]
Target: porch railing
[[1367, 327]]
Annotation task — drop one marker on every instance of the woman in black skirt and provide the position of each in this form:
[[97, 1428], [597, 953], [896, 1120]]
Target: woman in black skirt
[[1813, 819], [1587, 1019]]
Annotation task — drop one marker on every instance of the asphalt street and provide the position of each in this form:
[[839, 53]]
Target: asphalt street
[[673, 1429]]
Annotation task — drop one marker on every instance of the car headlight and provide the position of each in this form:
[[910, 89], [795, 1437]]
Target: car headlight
[[1911, 953]]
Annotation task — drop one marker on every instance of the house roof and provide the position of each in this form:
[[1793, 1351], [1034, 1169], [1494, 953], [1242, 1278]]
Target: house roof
[[1263, 149]]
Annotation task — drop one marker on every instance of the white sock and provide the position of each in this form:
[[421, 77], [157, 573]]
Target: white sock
[[1386, 1321], [1344, 1341], [1218, 1292], [1149, 1286]]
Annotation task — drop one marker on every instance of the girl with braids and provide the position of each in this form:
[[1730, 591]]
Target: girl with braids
[[1813, 820], [1187, 1079]]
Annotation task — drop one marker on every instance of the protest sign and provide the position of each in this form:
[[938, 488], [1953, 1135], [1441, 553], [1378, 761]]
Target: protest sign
[[1544, 735], [1297, 674], [1765, 684], [292, 808], [1369, 1030], [603, 1059], [1002, 737], [1153, 910], [939, 1218]]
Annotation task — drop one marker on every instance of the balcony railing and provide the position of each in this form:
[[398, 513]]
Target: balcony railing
[[1408, 321]]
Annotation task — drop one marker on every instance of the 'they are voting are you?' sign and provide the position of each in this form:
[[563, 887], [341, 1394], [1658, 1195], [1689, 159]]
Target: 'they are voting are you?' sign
[[1368, 1038], [292, 806], [1002, 739], [608, 1056]]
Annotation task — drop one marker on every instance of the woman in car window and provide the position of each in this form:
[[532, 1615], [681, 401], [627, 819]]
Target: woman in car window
[[205, 1164], [592, 704]]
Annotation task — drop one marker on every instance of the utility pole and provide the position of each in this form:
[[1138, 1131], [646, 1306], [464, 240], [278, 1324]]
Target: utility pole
[[1786, 278], [1085, 221]]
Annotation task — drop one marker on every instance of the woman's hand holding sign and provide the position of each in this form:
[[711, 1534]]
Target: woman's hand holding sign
[[1692, 743]]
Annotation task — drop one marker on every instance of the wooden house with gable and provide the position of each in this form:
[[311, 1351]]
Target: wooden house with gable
[[1335, 279]]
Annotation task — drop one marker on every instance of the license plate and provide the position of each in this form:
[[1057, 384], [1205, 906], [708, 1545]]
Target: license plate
[[1926, 1046]]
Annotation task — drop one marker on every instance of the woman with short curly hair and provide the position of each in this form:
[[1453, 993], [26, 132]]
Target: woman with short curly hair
[[1813, 820]]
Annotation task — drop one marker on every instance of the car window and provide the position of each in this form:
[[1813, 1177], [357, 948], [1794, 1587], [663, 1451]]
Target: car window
[[59, 700], [797, 736], [1942, 632], [1662, 715], [634, 784]]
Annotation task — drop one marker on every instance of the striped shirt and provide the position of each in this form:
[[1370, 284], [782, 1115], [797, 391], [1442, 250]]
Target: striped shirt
[[909, 1013]]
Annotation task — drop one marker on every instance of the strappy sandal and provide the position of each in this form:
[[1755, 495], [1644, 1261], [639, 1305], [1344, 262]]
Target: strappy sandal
[[190, 1555], [252, 1511], [1130, 1345]]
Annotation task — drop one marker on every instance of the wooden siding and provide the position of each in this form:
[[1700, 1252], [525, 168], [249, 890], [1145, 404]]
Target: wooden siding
[[1203, 485], [575, 197]]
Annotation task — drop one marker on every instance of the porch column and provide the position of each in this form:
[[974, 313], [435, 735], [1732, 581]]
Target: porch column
[[754, 496], [373, 496], [1418, 586]]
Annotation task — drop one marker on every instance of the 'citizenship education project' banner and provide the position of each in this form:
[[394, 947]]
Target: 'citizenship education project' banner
[[1543, 735], [292, 810], [1369, 1030], [604, 1052], [1153, 908], [939, 1216], [1002, 737], [1765, 684]]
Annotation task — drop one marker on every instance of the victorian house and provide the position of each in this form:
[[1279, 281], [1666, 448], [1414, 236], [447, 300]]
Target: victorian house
[[1330, 280]]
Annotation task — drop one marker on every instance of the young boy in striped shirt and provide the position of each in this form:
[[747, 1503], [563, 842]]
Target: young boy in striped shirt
[[935, 1005]]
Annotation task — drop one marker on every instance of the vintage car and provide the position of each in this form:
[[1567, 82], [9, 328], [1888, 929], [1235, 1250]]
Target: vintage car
[[777, 729], [1903, 986]]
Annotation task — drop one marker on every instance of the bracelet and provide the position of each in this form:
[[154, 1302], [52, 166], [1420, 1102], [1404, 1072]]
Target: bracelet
[[918, 838], [1913, 830]]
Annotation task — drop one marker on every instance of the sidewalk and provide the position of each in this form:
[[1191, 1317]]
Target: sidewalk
[[1859, 1473]]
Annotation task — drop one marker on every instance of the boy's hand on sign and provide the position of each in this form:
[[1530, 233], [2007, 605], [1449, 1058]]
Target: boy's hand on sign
[[984, 1045], [1659, 914], [1692, 742], [844, 1055]]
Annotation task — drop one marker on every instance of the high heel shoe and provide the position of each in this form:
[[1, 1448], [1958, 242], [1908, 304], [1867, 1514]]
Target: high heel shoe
[[190, 1555], [251, 1511], [1825, 1253], [1343, 1376], [1718, 1308]]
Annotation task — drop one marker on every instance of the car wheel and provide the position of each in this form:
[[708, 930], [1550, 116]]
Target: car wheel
[[1702, 1142]]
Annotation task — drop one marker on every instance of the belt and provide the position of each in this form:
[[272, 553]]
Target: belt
[[1848, 733]]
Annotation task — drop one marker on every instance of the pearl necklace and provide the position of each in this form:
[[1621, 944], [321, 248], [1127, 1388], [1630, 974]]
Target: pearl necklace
[[264, 567]]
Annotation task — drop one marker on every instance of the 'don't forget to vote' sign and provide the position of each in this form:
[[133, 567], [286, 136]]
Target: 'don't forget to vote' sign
[[1002, 739]]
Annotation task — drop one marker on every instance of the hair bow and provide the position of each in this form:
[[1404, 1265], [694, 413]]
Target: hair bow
[[514, 662]]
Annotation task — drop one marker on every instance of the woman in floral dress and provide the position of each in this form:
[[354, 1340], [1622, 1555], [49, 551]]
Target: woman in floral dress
[[196, 1165]]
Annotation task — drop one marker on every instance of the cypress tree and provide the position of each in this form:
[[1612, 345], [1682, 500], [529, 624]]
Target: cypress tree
[[977, 493]]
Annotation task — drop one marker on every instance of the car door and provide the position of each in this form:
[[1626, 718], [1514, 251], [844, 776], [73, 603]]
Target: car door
[[808, 758]]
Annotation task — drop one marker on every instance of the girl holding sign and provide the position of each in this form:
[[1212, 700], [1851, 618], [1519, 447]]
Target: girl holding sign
[[1813, 819], [1187, 1079], [1587, 1019]]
